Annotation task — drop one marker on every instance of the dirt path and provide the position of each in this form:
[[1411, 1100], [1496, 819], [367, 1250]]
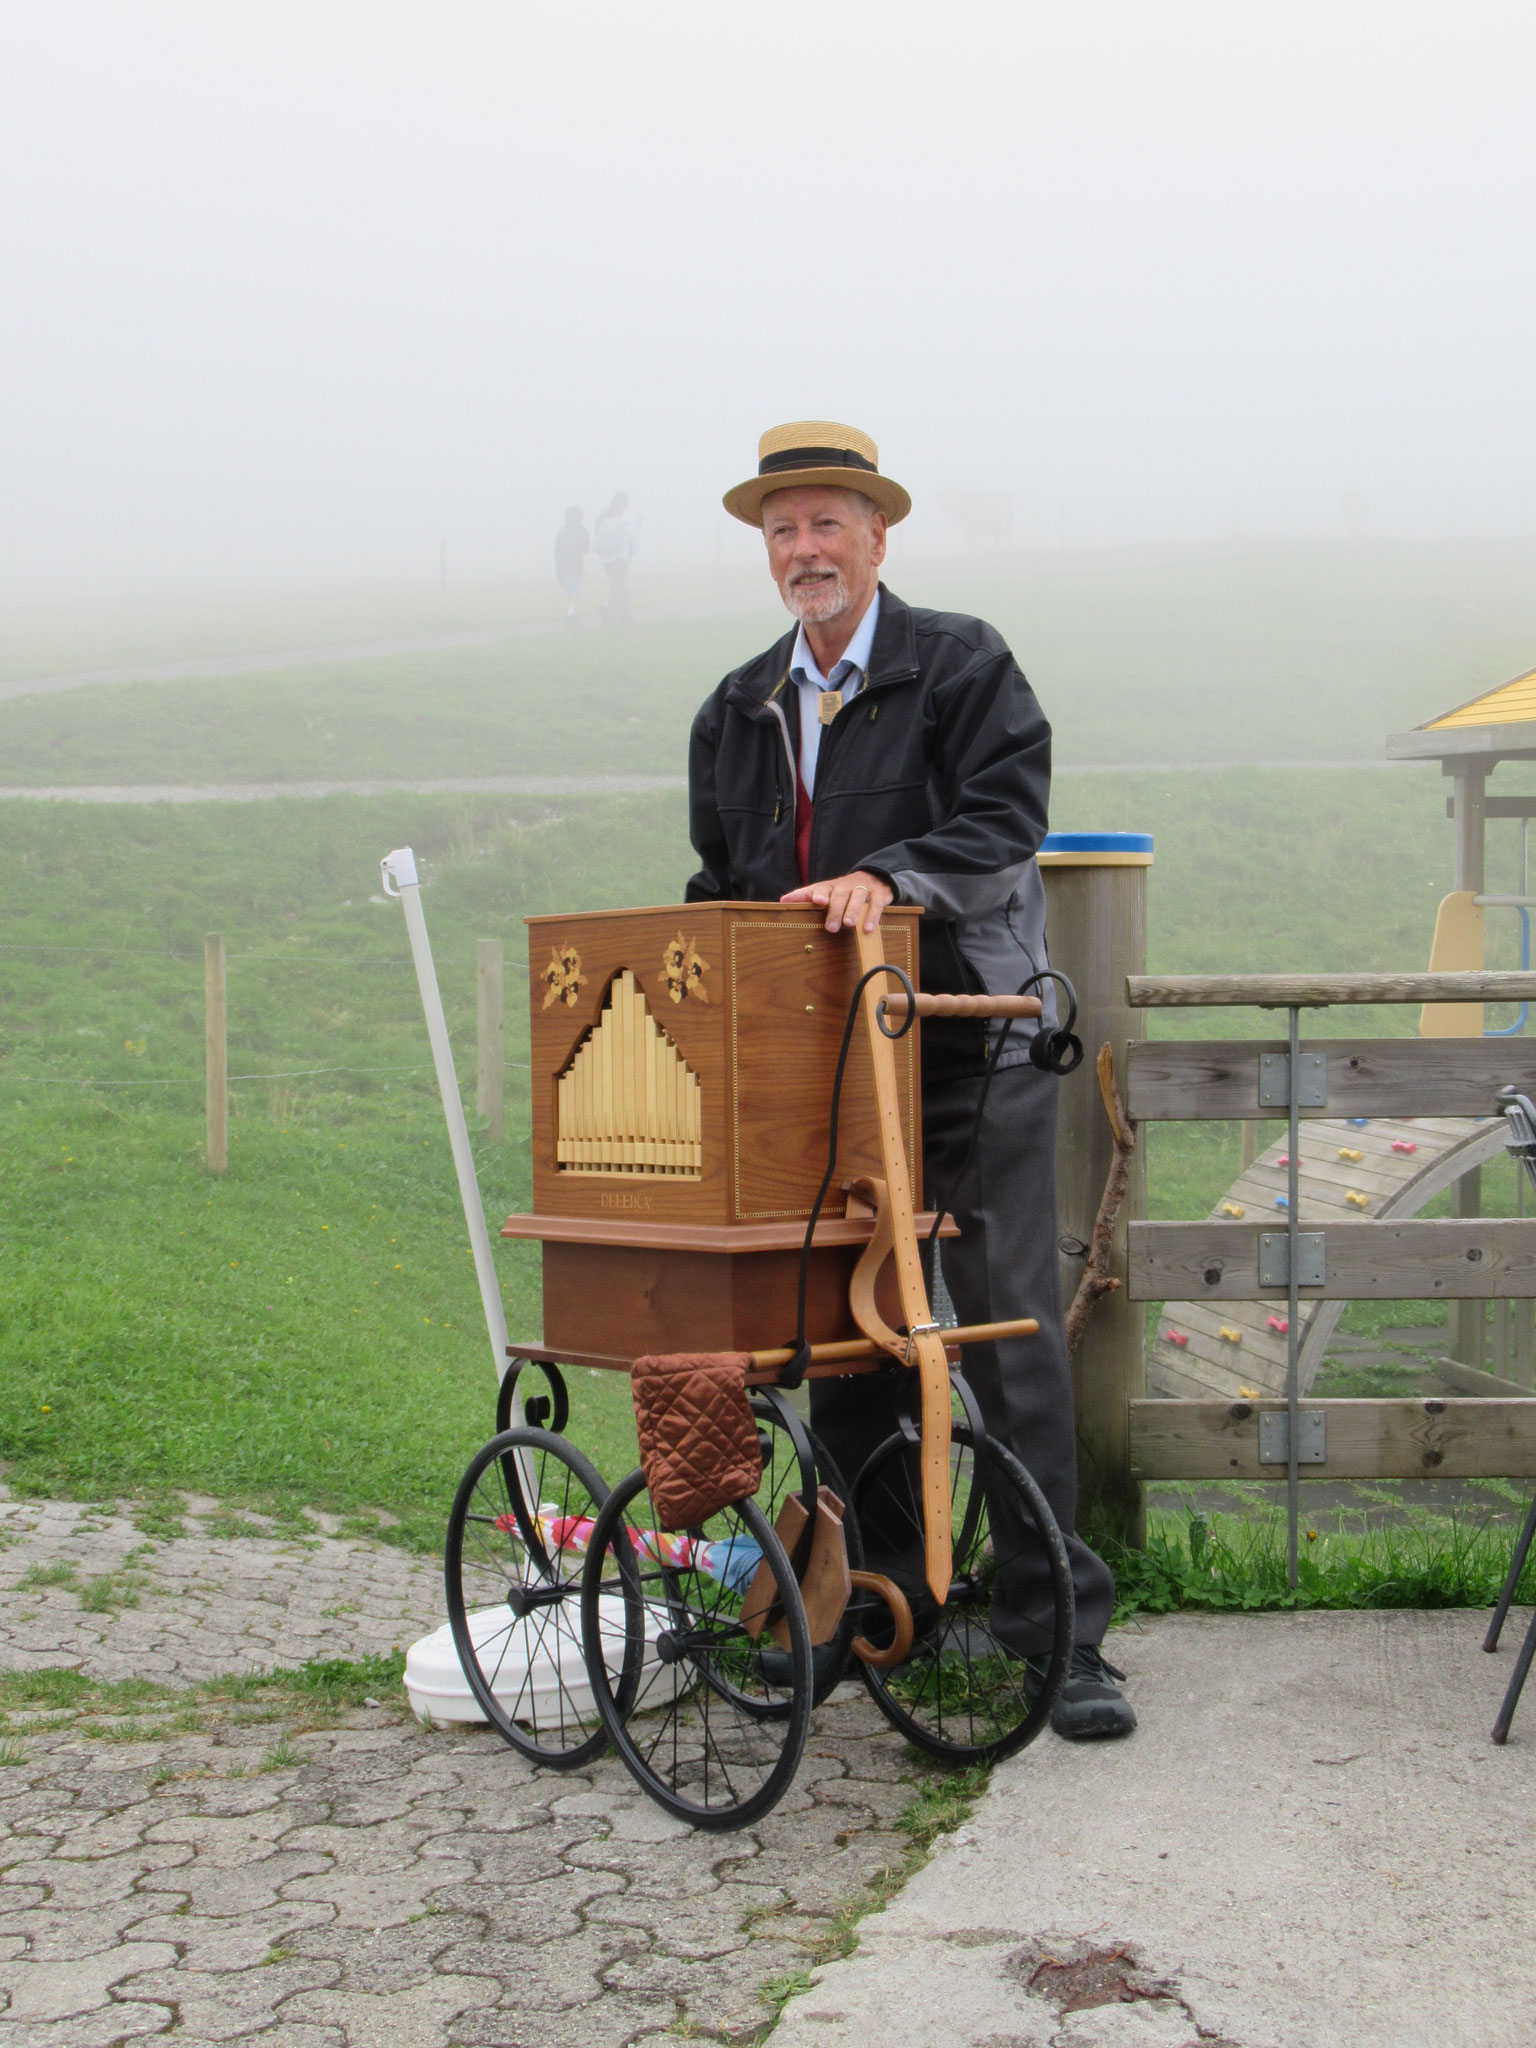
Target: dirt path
[[270, 792]]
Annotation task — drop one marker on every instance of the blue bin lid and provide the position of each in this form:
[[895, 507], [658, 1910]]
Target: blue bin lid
[[1096, 842]]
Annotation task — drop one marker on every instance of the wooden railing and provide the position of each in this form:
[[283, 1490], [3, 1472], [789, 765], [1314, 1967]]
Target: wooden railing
[[1463, 1258]]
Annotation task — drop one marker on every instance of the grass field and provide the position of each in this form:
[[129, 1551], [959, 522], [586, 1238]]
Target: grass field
[[1261, 654], [305, 1329]]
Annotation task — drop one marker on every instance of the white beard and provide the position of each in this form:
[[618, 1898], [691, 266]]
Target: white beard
[[815, 604]]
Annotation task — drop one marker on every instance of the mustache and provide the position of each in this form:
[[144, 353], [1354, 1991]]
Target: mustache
[[811, 576]]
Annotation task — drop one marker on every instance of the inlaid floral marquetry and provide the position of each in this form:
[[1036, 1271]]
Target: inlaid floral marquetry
[[684, 968], [563, 978]]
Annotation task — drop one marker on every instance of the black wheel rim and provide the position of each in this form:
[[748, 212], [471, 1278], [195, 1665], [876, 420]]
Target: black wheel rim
[[709, 1727], [517, 1542], [964, 1695]]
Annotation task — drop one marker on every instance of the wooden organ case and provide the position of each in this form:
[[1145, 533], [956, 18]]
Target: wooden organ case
[[682, 1067]]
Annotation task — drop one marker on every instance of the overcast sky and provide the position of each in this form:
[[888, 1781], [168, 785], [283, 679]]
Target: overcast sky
[[307, 291]]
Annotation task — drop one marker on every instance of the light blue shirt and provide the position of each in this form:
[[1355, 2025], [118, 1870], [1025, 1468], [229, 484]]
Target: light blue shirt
[[847, 677]]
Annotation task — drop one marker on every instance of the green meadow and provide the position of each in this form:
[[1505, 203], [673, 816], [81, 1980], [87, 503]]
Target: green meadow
[[305, 1329]]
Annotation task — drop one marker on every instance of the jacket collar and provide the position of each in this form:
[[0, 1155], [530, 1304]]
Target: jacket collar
[[892, 659]]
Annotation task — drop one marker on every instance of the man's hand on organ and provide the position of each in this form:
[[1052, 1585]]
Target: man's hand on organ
[[846, 899]]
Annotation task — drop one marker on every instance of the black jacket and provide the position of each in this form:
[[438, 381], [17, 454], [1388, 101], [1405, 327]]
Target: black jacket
[[936, 776]]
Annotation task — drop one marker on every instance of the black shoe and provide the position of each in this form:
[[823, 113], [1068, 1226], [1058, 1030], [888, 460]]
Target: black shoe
[[776, 1667], [1089, 1707]]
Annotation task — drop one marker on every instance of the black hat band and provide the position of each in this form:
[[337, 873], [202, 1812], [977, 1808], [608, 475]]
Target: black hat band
[[814, 458]]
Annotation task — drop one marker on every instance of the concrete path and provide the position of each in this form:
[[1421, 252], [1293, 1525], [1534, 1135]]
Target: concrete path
[[495, 785], [268, 792], [1310, 1843]]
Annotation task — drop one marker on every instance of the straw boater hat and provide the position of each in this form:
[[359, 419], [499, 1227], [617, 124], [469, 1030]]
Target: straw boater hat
[[816, 452]]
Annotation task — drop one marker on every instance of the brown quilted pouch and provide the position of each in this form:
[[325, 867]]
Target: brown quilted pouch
[[698, 1438]]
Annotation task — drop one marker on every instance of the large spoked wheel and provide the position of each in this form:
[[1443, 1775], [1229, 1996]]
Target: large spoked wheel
[[963, 1695], [700, 1658], [517, 1542], [797, 1462]]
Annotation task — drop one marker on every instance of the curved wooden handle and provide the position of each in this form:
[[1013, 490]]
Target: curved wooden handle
[[963, 1006], [899, 1648]]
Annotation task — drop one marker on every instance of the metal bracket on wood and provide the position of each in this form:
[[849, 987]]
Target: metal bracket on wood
[[1275, 1258], [1275, 1080], [1311, 1438]]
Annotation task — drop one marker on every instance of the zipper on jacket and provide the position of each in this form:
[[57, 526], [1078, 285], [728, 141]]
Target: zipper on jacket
[[777, 709]]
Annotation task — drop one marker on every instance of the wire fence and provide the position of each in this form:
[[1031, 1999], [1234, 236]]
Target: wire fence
[[262, 1015]]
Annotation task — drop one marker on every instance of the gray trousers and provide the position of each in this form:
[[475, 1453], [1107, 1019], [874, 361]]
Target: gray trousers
[[1002, 1266]]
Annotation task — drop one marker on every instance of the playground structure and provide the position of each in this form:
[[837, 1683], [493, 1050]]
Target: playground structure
[[1404, 1164]]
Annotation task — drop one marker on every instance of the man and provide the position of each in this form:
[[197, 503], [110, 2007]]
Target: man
[[876, 755]]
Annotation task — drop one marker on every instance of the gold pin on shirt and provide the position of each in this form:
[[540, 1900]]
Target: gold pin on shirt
[[828, 705]]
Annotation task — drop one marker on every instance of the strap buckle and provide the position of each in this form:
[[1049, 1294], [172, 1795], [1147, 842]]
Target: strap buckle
[[918, 1330]]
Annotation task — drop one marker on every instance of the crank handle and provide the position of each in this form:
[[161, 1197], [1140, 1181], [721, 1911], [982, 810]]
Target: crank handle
[[895, 1006]]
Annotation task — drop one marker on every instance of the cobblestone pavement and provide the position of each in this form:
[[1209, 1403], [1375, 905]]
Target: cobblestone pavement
[[211, 1876]]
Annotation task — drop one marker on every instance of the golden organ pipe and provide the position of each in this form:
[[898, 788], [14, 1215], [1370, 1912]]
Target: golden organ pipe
[[628, 1103]]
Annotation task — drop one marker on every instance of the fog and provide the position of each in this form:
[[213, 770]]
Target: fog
[[315, 291]]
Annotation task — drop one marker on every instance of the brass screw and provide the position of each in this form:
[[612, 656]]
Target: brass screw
[[810, 1009], [810, 948]]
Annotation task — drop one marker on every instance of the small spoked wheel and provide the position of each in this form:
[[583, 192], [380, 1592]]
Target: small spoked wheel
[[517, 1541], [700, 1656], [964, 1694]]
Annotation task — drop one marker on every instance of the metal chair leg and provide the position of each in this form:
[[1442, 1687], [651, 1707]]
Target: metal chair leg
[[1512, 1577], [1516, 1684]]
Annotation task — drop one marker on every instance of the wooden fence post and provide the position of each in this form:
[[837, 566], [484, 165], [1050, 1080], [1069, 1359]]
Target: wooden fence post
[[1096, 894], [215, 1018], [490, 1070]]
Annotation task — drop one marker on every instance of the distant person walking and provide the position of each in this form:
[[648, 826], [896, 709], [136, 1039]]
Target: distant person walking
[[571, 548], [614, 540]]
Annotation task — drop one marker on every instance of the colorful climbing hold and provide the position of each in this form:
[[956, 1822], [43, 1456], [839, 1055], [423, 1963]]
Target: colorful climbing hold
[[1248, 1393], [1404, 1145], [1282, 1201], [1350, 1152], [1233, 1209], [1284, 1159], [1356, 1200], [1179, 1337], [1230, 1334], [1279, 1324], [1359, 1122]]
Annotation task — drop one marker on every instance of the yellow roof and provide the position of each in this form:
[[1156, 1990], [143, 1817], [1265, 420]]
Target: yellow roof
[[1510, 704]]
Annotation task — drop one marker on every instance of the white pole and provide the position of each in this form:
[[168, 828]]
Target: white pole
[[400, 879]]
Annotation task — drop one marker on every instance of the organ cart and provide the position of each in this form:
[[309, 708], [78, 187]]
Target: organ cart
[[726, 1140]]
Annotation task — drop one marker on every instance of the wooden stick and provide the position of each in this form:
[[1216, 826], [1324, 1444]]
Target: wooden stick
[[963, 1006], [1097, 1279], [863, 1347], [215, 1037], [490, 1049], [1280, 991]]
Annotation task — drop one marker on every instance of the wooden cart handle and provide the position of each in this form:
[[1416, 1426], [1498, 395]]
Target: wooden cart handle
[[963, 1006], [899, 1648]]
